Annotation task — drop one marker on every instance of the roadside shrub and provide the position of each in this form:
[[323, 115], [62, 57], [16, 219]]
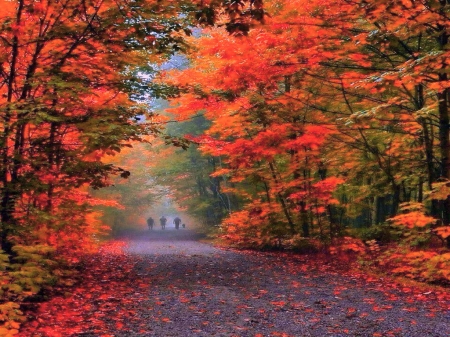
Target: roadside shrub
[[302, 245], [26, 274], [427, 266], [347, 245]]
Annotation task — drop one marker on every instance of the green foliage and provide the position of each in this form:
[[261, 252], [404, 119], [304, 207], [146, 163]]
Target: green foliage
[[186, 173], [31, 270], [381, 233], [302, 245], [437, 268]]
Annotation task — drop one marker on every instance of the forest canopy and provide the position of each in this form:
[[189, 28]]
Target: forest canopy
[[328, 124]]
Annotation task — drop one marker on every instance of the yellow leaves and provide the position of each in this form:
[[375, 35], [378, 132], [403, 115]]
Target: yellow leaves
[[412, 219], [440, 190], [10, 318], [432, 266], [414, 216]]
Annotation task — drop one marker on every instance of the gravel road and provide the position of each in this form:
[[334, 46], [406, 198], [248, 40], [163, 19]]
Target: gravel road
[[176, 286], [198, 290]]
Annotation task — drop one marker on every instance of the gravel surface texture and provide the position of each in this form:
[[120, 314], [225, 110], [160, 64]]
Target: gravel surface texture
[[178, 286]]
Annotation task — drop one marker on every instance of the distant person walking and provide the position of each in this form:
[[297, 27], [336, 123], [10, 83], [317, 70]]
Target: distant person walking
[[163, 221], [177, 222], [150, 223]]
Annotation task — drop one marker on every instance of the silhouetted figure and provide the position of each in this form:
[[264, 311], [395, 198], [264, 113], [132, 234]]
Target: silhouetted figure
[[183, 225], [163, 222], [177, 222], [150, 223]]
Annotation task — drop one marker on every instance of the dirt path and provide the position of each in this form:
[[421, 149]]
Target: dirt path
[[169, 284]]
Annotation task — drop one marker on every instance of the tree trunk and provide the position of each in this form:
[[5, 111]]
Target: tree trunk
[[7, 196], [444, 120], [283, 202]]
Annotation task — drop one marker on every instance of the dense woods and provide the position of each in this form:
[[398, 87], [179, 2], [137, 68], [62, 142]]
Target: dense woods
[[311, 125], [68, 96], [329, 122]]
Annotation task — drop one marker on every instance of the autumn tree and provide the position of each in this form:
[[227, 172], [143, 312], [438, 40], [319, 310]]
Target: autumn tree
[[415, 50], [320, 90], [265, 139], [67, 70], [71, 86]]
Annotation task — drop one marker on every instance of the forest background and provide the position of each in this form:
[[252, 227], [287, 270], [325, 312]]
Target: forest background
[[311, 126]]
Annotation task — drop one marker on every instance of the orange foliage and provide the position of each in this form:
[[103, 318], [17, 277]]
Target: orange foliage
[[413, 219]]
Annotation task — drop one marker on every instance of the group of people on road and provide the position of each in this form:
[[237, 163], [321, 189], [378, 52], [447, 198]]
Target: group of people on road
[[163, 222]]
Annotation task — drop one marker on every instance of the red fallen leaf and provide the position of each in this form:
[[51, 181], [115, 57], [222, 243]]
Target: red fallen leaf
[[166, 320], [369, 300], [280, 334], [278, 303], [50, 332], [295, 284], [410, 309], [105, 297]]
